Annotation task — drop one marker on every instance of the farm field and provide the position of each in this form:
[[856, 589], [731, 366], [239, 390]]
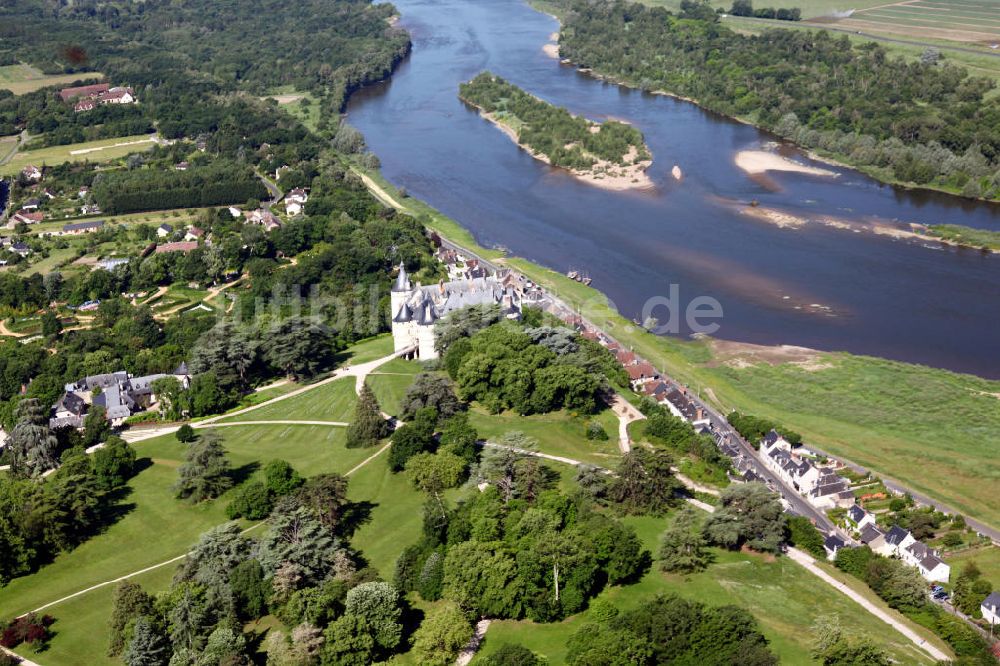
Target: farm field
[[22, 78], [954, 20], [92, 151]]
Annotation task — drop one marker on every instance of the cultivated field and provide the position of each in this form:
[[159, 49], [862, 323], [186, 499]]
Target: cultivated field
[[89, 151], [954, 20], [21, 79]]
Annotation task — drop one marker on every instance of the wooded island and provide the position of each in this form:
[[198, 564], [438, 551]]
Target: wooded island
[[611, 154]]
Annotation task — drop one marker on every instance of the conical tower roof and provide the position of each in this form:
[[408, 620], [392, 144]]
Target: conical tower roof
[[402, 280]]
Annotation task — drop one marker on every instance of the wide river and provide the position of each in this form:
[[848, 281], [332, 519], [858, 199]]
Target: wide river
[[815, 285]]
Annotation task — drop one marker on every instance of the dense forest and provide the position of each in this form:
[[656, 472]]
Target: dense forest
[[928, 122], [221, 182], [206, 47], [568, 141]]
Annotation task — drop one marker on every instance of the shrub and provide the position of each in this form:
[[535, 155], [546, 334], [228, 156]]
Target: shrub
[[595, 431], [185, 434]]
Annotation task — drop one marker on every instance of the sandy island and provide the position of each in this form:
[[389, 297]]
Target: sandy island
[[603, 174], [552, 48], [760, 161]]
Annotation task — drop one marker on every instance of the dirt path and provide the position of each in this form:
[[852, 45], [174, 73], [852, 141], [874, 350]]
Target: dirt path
[[626, 413], [6, 331], [469, 651]]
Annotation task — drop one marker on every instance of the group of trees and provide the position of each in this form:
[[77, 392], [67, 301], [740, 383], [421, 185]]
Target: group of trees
[[753, 428], [902, 587], [40, 518], [300, 570], [136, 190], [919, 122], [671, 630], [566, 140], [745, 8], [664, 429], [529, 370]]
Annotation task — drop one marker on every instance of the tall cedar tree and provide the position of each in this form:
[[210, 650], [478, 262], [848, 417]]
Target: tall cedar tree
[[682, 547], [205, 472], [368, 426]]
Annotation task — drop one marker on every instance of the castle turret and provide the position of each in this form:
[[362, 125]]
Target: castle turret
[[402, 284]]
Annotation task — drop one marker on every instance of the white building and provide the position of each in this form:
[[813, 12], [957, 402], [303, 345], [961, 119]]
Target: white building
[[295, 201], [415, 309], [857, 518], [775, 452], [991, 608], [927, 562]]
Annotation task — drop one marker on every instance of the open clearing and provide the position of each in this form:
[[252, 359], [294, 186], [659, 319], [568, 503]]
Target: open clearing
[[93, 151], [22, 78]]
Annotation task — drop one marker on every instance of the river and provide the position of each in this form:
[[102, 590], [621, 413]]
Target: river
[[815, 285]]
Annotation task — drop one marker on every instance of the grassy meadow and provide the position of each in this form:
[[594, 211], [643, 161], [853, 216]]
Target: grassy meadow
[[88, 151], [22, 78]]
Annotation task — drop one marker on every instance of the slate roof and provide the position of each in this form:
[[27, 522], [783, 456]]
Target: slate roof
[[833, 543], [869, 534], [896, 535], [856, 513], [992, 602]]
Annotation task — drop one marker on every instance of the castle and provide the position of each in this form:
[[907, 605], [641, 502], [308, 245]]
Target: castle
[[415, 309]]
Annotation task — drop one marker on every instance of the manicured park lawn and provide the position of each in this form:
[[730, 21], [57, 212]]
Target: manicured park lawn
[[390, 382], [368, 350], [89, 151], [329, 402], [309, 449], [558, 433]]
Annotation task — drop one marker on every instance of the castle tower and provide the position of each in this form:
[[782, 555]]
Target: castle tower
[[402, 315]]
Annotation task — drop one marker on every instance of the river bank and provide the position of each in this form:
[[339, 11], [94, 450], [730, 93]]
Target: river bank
[[881, 174], [629, 174], [837, 400]]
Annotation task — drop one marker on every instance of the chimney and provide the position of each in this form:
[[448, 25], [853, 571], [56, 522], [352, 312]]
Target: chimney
[[441, 286]]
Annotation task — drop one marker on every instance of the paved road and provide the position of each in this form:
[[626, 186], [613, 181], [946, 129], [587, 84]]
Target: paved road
[[897, 487]]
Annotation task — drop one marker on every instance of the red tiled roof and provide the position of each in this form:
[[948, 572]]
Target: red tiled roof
[[83, 91], [625, 357]]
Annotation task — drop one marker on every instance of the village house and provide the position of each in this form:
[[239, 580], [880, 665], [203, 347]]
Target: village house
[[193, 234], [120, 394], [31, 204], [83, 192], [117, 95], [831, 491], [295, 201], [31, 173], [93, 90], [20, 248], [25, 217], [265, 218], [991, 608], [164, 230], [857, 518], [927, 561], [831, 545], [899, 543], [776, 454], [416, 308], [77, 228], [872, 537], [90, 209]]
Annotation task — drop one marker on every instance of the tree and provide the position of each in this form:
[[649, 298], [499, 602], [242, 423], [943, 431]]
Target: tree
[[560, 550], [114, 463], [833, 647], [433, 473], [510, 654], [644, 483], [349, 642], [742, 8], [967, 597], [95, 426], [750, 515], [481, 578], [854, 560], [148, 646], [252, 500], [205, 473], [218, 552], [412, 438], [33, 447], [442, 635], [280, 478], [325, 496], [50, 324], [187, 619], [376, 604], [500, 462], [460, 437], [430, 390], [171, 398], [185, 434], [368, 425], [682, 547], [803, 534], [129, 602], [297, 538], [300, 348], [251, 589]]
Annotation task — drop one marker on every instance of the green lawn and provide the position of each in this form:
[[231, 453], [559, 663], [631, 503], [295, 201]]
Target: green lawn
[[310, 449], [390, 382], [785, 599], [330, 402], [368, 350], [22, 78], [91, 151], [558, 433], [987, 558]]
